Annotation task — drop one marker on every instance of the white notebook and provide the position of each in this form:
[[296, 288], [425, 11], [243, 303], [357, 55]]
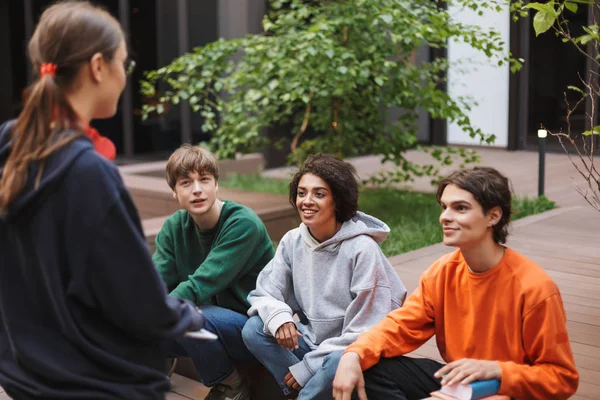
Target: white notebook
[[201, 334]]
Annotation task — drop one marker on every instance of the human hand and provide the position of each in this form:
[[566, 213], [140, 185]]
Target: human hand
[[347, 377], [287, 336], [467, 370], [290, 382]]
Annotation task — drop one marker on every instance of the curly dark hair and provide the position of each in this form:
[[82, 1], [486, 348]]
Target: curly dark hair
[[490, 188], [341, 178]]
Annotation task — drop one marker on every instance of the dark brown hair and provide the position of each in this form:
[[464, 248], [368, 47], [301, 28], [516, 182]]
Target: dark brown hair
[[188, 159], [68, 35], [341, 178], [490, 188]]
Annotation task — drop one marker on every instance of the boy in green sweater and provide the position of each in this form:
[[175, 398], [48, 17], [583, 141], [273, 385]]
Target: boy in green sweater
[[211, 253]]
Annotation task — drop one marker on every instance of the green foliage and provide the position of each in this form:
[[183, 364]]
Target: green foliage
[[551, 13], [410, 230], [335, 68], [525, 206]]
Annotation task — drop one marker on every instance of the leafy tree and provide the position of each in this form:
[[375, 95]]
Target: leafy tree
[[554, 16], [335, 67]]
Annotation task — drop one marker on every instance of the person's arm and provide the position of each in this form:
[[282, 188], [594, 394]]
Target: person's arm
[[124, 284], [401, 331], [223, 264], [552, 374], [164, 256], [273, 299], [373, 300]]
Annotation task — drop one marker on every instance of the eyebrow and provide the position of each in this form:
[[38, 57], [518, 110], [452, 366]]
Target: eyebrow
[[315, 188], [457, 202]]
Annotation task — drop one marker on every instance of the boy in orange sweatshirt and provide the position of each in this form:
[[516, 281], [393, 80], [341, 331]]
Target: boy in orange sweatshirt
[[495, 313]]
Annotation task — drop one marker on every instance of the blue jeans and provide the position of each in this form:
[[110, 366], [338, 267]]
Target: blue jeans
[[278, 360], [213, 359]]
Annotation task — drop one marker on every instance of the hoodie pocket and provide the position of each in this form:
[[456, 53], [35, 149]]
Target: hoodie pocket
[[324, 328]]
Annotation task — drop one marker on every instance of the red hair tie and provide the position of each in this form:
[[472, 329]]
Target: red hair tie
[[48, 69]]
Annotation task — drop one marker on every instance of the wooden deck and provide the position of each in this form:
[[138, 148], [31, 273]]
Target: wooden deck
[[563, 241]]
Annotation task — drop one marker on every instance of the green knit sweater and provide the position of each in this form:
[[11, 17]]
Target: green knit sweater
[[219, 266]]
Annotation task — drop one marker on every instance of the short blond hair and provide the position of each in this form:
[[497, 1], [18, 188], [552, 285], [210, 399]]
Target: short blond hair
[[188, 158]]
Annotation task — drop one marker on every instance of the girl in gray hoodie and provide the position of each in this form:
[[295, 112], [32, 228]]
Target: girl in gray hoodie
[[330, 273]]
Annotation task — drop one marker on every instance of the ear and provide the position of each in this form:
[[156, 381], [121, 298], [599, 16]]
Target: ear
[[96, 67], [494, 215], [175, 195]]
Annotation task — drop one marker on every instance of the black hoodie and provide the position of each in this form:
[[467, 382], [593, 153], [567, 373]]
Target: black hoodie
[[83, 313]]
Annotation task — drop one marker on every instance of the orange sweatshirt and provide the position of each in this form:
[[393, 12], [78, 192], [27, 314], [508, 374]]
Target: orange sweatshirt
[[512, 313]]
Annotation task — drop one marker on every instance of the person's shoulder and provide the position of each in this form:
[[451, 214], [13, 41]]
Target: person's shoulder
[[443, 264], [361, 244], [291, 237], [238, 215], [179, 218], [234, 209], [90, 174], [89, 164], [532, 280]]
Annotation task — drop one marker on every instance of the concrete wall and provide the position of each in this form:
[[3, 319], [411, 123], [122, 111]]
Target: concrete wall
[[487, 83], [239, 17]]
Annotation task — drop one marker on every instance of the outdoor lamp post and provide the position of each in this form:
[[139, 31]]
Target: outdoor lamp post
[[542, 133]]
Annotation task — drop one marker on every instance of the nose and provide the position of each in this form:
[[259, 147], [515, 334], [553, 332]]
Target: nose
[[308, 199], [197, 187], [445, 216]]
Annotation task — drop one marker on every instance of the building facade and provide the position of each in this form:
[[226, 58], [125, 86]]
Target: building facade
[[514, 106]]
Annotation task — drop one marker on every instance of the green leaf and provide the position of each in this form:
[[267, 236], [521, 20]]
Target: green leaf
[[267, 25], [379, 81], [584, 39], [575, 88], [160, 109], [571, 6], [595, 131], [547, 8], [343, 69], [543, 21], [387, 18]]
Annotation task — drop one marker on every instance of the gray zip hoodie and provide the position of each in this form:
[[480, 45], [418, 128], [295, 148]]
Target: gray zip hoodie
[[339, 288]]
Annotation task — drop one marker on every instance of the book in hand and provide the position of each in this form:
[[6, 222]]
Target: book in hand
[[201, 334], [487, 389]]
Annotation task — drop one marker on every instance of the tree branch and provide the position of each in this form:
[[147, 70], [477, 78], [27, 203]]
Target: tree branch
[[294, 145]]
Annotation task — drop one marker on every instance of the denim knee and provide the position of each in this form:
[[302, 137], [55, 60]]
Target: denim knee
[[333, 359], [253, 330]]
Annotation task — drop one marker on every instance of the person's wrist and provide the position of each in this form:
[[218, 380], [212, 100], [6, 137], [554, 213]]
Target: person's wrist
[[351, 355], [498, 370]]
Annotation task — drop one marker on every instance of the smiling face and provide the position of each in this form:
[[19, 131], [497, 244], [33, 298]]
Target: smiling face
[[196, 193], [463, 220], [315, 202]]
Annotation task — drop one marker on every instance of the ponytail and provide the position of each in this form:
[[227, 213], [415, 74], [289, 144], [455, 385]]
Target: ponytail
[[37, 133]]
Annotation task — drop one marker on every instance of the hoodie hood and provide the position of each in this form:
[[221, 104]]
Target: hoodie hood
[[55, 167], [360, 224]]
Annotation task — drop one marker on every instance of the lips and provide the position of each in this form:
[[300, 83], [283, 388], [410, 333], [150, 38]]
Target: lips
[[198, 201]]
